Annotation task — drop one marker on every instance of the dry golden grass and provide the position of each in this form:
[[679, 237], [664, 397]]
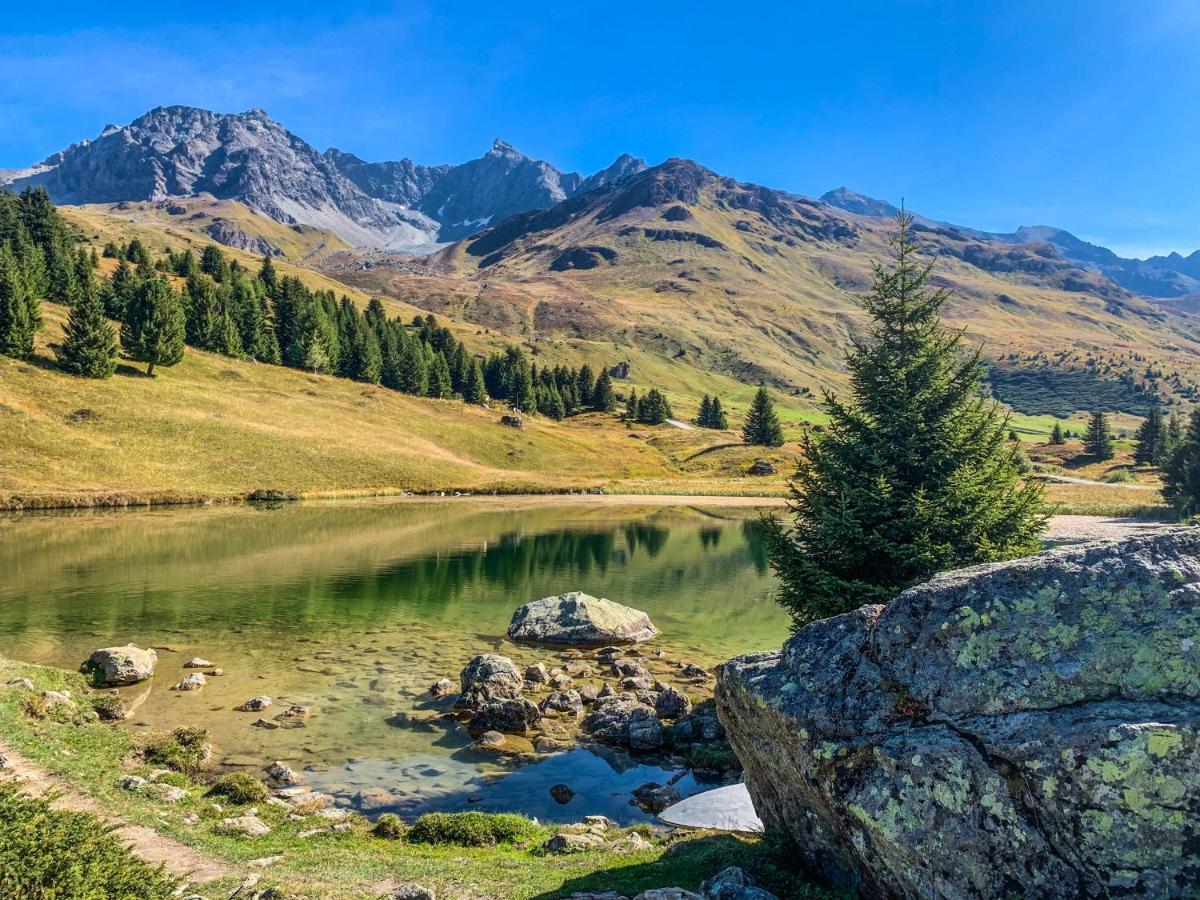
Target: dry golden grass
[[216, 427]]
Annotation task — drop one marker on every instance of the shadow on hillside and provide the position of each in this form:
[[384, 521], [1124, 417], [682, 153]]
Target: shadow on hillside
[[688, 863], [49, 363]]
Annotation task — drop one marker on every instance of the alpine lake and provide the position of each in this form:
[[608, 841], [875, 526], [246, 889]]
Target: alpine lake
[[355, 608]]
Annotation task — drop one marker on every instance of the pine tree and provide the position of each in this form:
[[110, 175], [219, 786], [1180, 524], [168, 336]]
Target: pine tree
[[89, 346], [585, 386], [473, 390], [203, 313], [1098, 440], [1151, 439], [1174, 435], [762, 426], [603, 399], [704, 417], [653, 409], [913, 475], [414, 375], [154, 326], [440, 382], [20, 313], [717, 416], [521, 392], [633, 406], [120, 290], [1181, 475], [1056, 435]]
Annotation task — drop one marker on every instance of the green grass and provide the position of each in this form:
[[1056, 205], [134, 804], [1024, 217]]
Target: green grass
[[240, 787], [471, 829], [93, 756]]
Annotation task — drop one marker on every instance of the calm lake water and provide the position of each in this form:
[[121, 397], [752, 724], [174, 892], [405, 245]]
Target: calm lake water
[[356, 607]]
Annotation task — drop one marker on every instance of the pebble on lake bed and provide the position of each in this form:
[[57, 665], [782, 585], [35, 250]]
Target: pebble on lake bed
[[191, 682], [197, 662], [255, 704]]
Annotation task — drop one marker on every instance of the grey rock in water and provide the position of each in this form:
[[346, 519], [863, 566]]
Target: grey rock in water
[[193, 681], [121, 665], [1030, 726], [255, 704], [623, 721], [653, 797], [505, 716], [487, 677], [578, 618]]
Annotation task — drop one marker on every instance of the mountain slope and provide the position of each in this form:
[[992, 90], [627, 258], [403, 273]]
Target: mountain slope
[[719, 278], [1159, 276]]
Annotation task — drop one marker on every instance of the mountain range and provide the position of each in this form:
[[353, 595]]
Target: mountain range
[[178, 151]]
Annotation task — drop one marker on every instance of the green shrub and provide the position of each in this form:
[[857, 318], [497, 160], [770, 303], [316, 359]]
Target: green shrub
[[185, 749], [470, 829], [1118, 475], [47, 853], [389, 827], [241, 787]]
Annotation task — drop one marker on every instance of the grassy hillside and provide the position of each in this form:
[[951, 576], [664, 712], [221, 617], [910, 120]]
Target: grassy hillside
[[704, 284], [215, 426]]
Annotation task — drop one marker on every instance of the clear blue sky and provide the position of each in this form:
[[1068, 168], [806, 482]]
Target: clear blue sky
[[993, 114]]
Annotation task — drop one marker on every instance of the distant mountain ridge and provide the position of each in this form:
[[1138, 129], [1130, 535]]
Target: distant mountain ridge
[[1174, 275], [180, 151]]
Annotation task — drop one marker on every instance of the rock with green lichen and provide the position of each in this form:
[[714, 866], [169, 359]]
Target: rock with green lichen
[[1029, 728]]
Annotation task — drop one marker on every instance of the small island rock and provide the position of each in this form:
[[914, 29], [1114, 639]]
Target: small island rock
[[578, 618]]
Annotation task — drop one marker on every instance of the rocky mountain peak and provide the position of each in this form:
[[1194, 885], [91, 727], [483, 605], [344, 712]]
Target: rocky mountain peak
[[859, 204]]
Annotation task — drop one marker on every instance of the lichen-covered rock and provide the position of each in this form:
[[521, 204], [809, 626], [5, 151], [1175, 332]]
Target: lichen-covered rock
[[579, 618], [120, 665], [1030, 727]]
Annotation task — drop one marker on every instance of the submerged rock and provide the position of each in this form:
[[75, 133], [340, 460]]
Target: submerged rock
[[255, 704], [624, 721], [193, 681], [505, 716], [578, 618], [120, 665], [1030, 726], [489, 676]]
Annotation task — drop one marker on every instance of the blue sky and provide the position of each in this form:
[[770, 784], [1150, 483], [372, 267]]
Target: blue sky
[[991, 114]]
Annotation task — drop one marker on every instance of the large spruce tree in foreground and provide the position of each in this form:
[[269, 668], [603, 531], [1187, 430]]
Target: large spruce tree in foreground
[[89, 346], [1181, 474], [912, 475]]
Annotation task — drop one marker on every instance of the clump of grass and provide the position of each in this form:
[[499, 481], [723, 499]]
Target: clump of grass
[[389, 827], [1118, 475], [109, 707], [46, 852], [240, 787], [470, 829], [174, 779], [185, 749]]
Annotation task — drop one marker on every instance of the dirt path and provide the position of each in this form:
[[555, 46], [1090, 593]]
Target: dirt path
[[178, 858], [1071, 479]]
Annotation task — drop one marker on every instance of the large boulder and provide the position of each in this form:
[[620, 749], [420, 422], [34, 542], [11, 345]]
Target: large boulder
[[120, 665], [1027, 728], [579, 618]]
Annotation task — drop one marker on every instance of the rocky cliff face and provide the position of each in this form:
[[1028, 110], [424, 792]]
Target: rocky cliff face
[[466, 198], [1025, 729], [180, 151]]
